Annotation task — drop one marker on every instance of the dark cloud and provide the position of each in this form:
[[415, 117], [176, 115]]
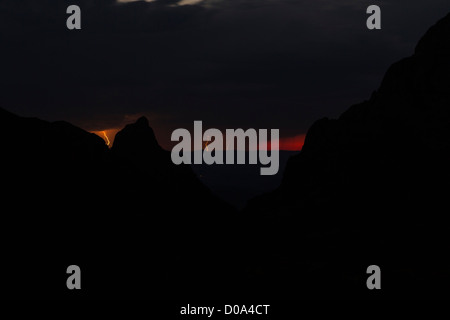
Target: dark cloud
[[234, 63]]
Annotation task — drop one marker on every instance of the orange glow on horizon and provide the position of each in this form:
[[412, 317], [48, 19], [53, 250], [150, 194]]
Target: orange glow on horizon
[[292, 143], [107, 135]]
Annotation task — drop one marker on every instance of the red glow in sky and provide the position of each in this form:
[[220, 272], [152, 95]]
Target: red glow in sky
[[294, 143]]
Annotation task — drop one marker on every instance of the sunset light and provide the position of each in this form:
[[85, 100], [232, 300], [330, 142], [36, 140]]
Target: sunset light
[[107, 135]]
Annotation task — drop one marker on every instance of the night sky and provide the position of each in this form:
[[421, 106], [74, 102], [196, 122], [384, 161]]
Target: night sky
[[237, 63]]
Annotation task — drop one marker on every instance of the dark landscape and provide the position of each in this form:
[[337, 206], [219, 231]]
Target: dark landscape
[[370, 187]]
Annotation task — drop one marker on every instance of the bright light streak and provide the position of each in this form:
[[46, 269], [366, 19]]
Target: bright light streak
[[107, 139]]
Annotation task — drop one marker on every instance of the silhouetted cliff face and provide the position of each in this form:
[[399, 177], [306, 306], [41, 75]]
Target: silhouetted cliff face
[[70, 162], [121, 213], [389, 152], [136, 146], [48, 162], [372, 186], [137, 139]]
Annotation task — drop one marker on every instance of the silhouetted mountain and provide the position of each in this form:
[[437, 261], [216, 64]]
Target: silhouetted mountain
[[118, 213], [367, 188], [137, 139], [371, 187]]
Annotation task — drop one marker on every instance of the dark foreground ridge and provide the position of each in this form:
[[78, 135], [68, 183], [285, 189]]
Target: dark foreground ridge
[[372, 187], [367, 188], [136, 223]]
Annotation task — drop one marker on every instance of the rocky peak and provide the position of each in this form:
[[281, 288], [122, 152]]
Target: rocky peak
[[436, 39], [136, 139]]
